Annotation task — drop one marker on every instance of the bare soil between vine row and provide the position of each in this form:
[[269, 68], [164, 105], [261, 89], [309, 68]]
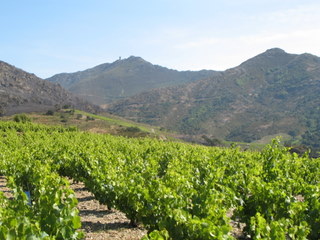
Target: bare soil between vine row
[[100, 223]]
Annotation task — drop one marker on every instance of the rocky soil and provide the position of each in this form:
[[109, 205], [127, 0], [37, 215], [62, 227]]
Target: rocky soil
[[98, 223]]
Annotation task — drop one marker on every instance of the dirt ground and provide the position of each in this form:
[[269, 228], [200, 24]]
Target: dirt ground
[[98, 223], [6, 191]]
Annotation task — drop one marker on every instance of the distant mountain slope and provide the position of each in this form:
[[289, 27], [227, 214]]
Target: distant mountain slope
[[274, 92], [123, 78], [24, 92]]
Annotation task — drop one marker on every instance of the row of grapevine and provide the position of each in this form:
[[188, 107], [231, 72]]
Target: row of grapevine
[[180, 191], [43, 206]]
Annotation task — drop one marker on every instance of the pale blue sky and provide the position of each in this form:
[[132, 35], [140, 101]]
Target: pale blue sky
[[46, 37]]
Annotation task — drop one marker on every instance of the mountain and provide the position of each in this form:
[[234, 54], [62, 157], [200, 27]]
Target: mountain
[[24, 92], [110, 82], [274, 92]]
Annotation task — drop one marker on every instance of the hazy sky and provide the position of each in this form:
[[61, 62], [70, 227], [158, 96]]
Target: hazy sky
[[46, 37]]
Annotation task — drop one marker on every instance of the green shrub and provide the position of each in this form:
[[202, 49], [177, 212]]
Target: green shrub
[[133, 129], [50, 113], [90, 118], [22, 118]]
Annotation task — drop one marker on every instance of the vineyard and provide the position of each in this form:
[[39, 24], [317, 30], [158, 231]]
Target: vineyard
[[175, 190]]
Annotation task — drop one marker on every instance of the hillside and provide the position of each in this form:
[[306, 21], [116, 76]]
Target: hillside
[[188, 191], [24, 92], [109, 82], [272, 93]]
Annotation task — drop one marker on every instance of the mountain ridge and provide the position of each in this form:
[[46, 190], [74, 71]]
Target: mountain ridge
[[21, 91], [109, 82], [273, 92]]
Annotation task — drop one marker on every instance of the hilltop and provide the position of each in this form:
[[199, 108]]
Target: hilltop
[[124, 78]]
